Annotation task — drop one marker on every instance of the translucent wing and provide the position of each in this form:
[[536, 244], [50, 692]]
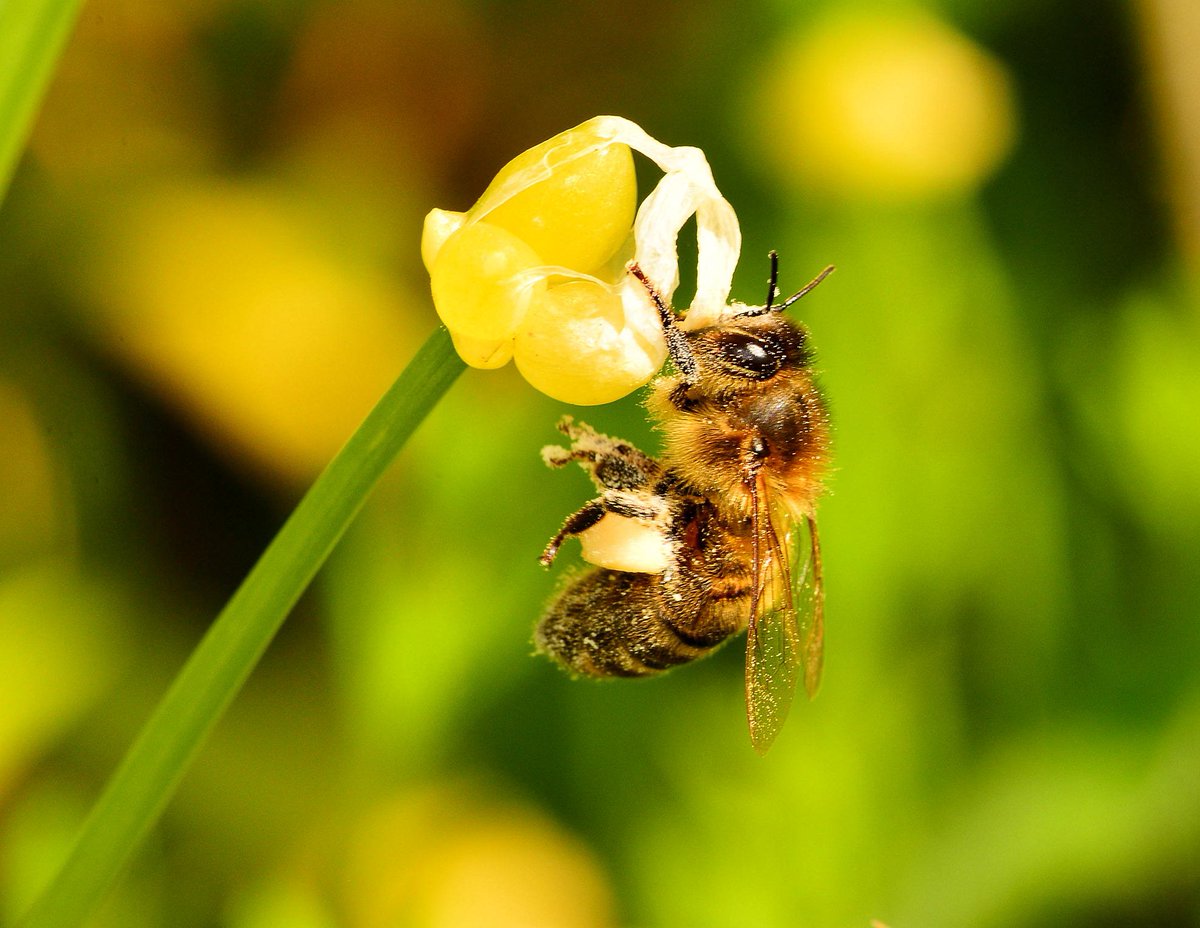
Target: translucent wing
[[785, 635], [808, 591]]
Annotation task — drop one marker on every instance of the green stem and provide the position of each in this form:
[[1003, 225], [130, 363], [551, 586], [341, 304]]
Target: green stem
[[136, 794], [32, 34]]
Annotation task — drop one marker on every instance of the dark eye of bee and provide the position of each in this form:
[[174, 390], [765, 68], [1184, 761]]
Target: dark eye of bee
[[750, 356]]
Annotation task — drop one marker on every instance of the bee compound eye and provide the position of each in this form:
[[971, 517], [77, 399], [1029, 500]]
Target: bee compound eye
[[749, 356]]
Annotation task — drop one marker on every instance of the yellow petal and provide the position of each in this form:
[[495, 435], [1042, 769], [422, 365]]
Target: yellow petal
[[479, 281], [481, 353], [581, 344], [440, 224], [571, 198]]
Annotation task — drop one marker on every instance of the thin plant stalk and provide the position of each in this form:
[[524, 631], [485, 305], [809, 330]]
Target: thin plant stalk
[[32, 34], [141, 786]]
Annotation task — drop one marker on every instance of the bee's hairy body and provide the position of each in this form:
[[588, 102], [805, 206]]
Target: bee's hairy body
[[624, 623], [748, 419]]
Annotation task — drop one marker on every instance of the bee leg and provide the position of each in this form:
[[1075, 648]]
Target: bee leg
[[567, 426], [614, 501], [677, 343], [612, 463], [578, 522]]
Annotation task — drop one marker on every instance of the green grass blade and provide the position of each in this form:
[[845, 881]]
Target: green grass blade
[[32, 33], [146, 778]]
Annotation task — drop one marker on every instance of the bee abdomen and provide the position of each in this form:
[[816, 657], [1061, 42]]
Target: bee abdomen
[[610, 623]]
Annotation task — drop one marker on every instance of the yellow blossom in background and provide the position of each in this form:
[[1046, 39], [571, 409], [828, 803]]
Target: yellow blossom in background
[[884, 106], [536, 270], [448, 858], [230, 299]]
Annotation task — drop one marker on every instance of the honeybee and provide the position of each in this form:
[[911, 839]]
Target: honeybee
[[717, 536]]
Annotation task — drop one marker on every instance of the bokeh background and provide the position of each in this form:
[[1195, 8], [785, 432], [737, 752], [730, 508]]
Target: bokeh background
[[209, 270]]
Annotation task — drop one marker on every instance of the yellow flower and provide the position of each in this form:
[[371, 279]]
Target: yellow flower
[[884, 106], [535, 270]]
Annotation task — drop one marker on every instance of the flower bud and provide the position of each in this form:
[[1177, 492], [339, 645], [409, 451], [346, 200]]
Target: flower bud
[[536, 271], [581, 213], [578, 344], [440, 224], [480, 283], [483, 353]]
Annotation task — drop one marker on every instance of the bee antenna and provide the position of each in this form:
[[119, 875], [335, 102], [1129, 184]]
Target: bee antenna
[[803, 290], [677, 344], [773, 280]]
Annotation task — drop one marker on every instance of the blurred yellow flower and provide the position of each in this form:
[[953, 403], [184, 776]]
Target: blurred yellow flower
[[895, 106], [448, 858], [535, 270], [236, 302]]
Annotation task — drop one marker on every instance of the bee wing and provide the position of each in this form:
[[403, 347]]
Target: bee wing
[[808, 593], [785, 634]]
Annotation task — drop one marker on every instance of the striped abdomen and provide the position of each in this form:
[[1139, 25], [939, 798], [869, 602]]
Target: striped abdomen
[[612, 623]]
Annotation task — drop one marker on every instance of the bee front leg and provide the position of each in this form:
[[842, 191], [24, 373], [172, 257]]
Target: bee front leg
[[613, 464]]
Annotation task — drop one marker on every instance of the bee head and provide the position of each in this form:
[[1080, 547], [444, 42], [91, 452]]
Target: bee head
[[751, 348], [754, 345]]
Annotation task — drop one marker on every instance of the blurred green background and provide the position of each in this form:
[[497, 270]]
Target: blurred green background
[[209, 266]]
